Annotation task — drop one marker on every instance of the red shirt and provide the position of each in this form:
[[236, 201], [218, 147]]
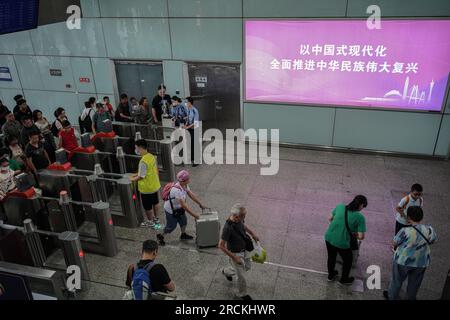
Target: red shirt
[[69, 140]]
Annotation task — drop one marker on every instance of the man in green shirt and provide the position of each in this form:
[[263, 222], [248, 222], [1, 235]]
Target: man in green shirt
[[337, 236]]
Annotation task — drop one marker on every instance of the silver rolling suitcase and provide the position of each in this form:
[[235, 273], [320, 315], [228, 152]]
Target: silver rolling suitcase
[[208, 229]]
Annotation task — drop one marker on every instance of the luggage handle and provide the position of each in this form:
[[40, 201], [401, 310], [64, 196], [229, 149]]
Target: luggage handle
[[209, 212]]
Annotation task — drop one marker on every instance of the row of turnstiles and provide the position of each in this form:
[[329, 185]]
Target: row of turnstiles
[[78, 203]]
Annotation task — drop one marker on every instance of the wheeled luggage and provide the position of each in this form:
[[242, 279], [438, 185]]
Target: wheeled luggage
[[208, 229]]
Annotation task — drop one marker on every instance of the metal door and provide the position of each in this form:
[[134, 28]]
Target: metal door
[[138, 79], [215, 88]]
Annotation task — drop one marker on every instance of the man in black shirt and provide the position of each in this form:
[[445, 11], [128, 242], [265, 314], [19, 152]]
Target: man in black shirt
[[157, 103], [21, 110], [16, 99], [37, 157], [123, 110], [233, 244], [27, 127], [159, 277]]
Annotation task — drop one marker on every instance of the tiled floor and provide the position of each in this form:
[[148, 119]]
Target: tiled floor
[[289, 212]]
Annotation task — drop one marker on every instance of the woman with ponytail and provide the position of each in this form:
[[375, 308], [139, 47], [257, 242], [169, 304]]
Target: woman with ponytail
[[347, 226]]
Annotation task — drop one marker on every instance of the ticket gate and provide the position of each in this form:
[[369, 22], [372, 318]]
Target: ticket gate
[[98, 238], [125, 152], [43, 282], [17, 208], [61, 214], [22, 245], [84, 186], [148, 131]]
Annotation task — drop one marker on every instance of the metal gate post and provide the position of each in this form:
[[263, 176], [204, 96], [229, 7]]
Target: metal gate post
[[166, 157], [105, 227], [121, 159], [74, 254], [66, 208], [34, 243]]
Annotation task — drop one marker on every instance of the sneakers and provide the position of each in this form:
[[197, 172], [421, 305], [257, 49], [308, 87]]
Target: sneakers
[[148, 224], [160, 238], [229, 278], [185, 236], [157, 224], [333, 276], [347, 282]]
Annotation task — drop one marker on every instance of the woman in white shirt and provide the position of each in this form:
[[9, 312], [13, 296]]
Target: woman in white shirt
[[44, 126], [41, 122]]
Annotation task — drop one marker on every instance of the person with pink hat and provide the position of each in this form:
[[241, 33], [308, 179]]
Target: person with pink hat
[[175, 206]]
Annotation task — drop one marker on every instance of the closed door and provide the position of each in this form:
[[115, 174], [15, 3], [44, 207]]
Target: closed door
[[139, 79], [215, 88]]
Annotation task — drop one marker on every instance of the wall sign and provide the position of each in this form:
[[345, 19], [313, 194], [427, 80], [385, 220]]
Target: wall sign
[[56, 72], [85, 80], [5, 74], [201, 79]]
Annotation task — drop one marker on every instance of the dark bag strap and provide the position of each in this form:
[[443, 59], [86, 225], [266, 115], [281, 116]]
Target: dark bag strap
[[423, 236], [346, 224], [170, 199]]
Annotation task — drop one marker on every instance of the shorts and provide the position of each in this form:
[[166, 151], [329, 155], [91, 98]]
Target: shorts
[[172, 221], [149, 200]]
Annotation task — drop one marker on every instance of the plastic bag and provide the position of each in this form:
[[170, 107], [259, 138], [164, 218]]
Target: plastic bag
[[259, 253]]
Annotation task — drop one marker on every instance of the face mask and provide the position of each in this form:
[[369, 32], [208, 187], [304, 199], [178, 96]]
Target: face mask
[[137, 152], [4, 169]]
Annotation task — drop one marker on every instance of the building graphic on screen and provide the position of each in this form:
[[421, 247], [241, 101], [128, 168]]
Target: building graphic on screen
[[412, 97]]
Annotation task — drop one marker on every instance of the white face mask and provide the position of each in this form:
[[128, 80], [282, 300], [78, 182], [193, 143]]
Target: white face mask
[[137, 152], [4, 169]]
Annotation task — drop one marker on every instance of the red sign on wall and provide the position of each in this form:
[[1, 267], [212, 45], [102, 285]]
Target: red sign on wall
[[87, 80]]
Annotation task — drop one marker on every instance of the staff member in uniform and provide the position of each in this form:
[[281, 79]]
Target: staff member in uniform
[[148, 184], [192, 121], [179, 112]]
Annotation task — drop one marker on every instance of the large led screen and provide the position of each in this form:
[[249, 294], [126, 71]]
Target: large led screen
[[403, 65]]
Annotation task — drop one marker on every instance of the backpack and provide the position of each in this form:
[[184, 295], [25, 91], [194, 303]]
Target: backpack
[[140, 286], [54, 129], [86, 124], [407, 201], [167, 188]]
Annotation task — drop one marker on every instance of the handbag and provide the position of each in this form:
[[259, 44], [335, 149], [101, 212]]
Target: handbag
[[176, 212], [260, 254], [354, 245]]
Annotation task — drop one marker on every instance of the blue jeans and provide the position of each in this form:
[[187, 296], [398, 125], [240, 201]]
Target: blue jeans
[[171, 222], [399, 275]]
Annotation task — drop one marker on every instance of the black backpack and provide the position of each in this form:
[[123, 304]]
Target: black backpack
[[54, 129], [86, 124]]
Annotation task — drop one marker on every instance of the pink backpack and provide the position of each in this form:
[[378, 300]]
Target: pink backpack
[[167, 188]]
